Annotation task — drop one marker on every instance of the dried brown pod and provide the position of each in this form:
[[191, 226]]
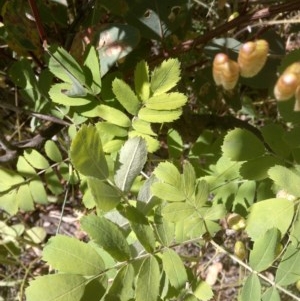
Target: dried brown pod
[[288, 82], [252, 57], [225, 71]]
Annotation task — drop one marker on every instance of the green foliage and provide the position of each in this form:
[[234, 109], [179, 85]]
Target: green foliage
[[118, 116]]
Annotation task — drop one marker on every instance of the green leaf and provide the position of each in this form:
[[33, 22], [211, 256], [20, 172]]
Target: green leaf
[[203, 291], [37, 160], [165, 76], [52, 151], [87, 154], [143, 127], [113, 116], [133, 157], [286, 179], [141, 227], [216, 212], [125, 96], [166, 101], [177, 211], [93, 65], [242, 145], [295, 229], [95, 289], [38, 192], [69, 255], [108, 235], [58, 95], [106, 128], [36, 234], [165, 230], [174, 269], [264, 250], [156, 116], [152, 144], [189, 179], [122, 286], [257, 168], [141, 80], [175, 144], [58, 287], [148, 279], [24, 198], [106, 197], [24, 168], [271, 213], [271, 294], [53, 182], [202, 194], [167, 192], [168, 173], [288, 270], [251, 291]]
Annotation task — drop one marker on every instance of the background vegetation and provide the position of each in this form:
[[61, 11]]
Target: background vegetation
[[126, 172]]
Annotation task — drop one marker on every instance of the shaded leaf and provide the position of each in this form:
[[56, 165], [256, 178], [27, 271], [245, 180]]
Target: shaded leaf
[[174, 269], [69, 255], [52, 151], [141, 228], [148, 279], [165, 76], [59, 287], [271, 213], [106, 197], [87, 154], [264, 250], [156, 116], [189, 179], [108, 235], [122, 286], [125, 96], [271, 294], [288, 270], [24, 198], [133, 157], [241, 145], [251, 291]]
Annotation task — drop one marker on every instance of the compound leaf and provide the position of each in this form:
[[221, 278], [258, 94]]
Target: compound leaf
[[166, 101]]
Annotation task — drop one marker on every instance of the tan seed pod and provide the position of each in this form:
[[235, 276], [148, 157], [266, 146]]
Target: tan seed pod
[[286, 86], [252, 57], [225, 71]]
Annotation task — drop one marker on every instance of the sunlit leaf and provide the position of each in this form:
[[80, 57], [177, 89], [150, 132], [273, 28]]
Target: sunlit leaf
[[203, 291], [59, 287], [125, 96], [113, 116], [143, 126], [36, 234], [271, 213], [178, 211], [87, 154], [69, 255], [148, 279], [141, 80], [24, 198], [165, 76], [156, 116], [38, 191], [167, 192], [271, 294], [52, 151], [168, 173], [288, 271], [132, 159], [264, 250], [251, 290], [36, 159], [166, 101], [174, 268]]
